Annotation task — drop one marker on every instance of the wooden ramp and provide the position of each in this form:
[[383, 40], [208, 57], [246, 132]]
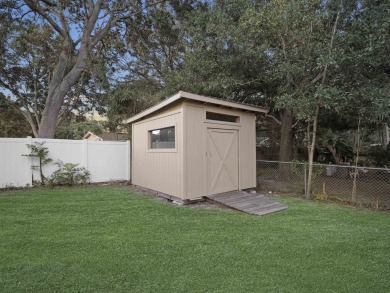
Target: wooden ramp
[[251, 203]]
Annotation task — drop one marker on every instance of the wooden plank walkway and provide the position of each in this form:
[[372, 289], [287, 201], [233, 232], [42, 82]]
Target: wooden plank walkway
[[251, 203]]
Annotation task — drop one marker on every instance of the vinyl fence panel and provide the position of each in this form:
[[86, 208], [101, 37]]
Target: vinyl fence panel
[[105, 160], [15, 169], [108, 160]]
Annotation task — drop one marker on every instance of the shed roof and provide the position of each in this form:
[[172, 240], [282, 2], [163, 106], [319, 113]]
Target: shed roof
[[198, 98]]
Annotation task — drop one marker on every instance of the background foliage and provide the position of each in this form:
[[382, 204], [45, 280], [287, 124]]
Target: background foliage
[[293, 57]]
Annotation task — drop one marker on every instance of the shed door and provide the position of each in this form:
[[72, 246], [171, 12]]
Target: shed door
[[222, 160]]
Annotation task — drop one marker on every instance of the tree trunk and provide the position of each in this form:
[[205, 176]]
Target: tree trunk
[[312, 142], [286, 143], [286, 136], [386, 135], [336, 157], [356, 170], [49, 116], [66, 74], [311, 145]]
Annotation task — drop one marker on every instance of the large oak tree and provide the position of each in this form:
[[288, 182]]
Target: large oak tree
[[77, 29]]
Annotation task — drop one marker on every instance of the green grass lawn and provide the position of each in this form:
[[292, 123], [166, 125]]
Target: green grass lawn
[[107, 239]]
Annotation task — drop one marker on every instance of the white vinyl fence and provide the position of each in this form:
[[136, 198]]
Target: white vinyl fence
[[105, 160]]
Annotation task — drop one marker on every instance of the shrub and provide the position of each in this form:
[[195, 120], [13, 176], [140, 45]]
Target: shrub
[[380, 157], [37, 150], [69, 174]]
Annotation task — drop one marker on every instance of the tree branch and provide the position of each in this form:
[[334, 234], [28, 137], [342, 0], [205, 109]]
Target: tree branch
[[36, 102], [113, 20], [318, 77], [26, 114], [295, 124], [64, 23], [274, 118], [36, 8], [331, 42], [49, 3], [89, 26]]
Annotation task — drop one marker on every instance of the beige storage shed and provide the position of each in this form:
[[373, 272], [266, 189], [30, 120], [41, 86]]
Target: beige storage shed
[[190, 146]]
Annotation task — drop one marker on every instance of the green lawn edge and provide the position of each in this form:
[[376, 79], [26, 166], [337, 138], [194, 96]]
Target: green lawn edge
[[110, 239]]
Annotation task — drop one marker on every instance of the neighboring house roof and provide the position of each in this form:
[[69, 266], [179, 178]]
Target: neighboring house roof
[[198, 98], [91, 136]]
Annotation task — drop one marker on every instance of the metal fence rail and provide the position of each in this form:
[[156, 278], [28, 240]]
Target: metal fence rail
[[334, 182]]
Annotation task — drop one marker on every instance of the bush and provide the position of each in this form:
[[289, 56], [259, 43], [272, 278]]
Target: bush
[[380, 157], [37, 150], [69, 174]]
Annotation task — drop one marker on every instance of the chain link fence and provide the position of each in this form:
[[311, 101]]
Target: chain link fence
[[362, 185]]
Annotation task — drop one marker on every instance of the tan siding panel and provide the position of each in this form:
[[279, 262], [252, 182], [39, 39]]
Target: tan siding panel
[[195, 152], [174, 107], [160, 171], [248, 152]]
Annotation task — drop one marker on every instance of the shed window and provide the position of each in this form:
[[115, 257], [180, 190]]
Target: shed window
[[222, 117], [163, 138]]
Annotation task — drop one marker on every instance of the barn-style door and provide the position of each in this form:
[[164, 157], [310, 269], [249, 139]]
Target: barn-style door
[[222, 160]]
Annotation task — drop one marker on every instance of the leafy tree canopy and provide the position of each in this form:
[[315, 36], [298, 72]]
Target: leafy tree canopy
[[74, 128], [54, 48], [12, 123]]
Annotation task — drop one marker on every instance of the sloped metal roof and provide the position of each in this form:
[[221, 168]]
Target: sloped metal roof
[[198, 98]]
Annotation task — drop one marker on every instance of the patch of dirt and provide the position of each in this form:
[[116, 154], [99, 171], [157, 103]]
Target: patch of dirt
[[200, 204]]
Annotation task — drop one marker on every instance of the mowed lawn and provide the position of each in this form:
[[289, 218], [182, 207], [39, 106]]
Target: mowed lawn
[[108, 239]]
